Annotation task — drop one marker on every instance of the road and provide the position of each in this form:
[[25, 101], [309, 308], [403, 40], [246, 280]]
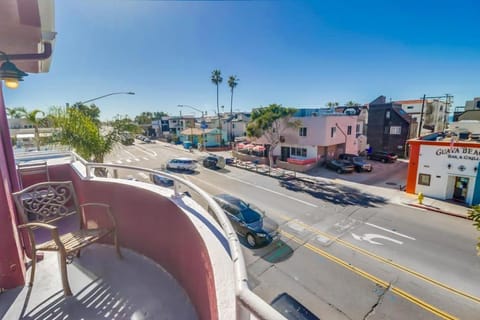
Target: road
[[358, 259]]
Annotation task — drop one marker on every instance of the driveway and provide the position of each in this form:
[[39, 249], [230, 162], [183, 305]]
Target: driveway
[[387, 175]]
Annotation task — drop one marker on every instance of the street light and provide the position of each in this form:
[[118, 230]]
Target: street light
[[105, 95], [202, 125]]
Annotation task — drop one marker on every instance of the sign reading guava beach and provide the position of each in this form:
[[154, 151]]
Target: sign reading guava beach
[[459, 153]]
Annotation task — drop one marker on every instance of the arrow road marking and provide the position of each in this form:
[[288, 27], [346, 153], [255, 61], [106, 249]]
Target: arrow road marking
[[369, 236], [384, 229]]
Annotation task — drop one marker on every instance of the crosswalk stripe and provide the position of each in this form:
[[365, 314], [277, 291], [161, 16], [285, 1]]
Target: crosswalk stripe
[[128, 160], [145, 158], [119, 161], [136, 159]]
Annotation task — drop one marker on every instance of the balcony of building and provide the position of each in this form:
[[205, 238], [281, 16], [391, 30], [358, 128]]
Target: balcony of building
[[181, 257]]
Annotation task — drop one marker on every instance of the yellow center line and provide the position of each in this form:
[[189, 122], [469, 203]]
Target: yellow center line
[[383, 283], [386, 261]]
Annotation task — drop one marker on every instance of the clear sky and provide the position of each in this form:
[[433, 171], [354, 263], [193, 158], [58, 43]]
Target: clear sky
[[295, 53]]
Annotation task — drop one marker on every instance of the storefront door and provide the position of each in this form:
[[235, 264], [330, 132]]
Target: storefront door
[[461, 188], [284, 153]]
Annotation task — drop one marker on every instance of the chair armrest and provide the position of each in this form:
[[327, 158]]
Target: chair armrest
[[98, 204], [53, 232]]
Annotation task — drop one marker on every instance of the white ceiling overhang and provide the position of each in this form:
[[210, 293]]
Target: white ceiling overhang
[[25, 25]]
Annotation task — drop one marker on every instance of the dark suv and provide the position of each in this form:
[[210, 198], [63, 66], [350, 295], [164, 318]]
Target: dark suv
[[358, 162], [383, 156]]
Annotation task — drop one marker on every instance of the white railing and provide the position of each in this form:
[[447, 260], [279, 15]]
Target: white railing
[[250, 304]]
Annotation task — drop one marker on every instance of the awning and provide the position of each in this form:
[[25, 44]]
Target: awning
[[25, 135]]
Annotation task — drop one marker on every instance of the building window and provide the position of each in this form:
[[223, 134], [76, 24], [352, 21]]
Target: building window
[[349, 130], [332, 132], [410, 107], [358, 128], [395, 130], [302, 132], [424, 179], [387, 114], [299, 152], [386, 130]]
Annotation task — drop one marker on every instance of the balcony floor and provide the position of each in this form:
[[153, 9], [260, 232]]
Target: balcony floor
[[104, 287]]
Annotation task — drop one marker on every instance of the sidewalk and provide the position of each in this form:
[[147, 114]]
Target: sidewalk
[[393, 195]]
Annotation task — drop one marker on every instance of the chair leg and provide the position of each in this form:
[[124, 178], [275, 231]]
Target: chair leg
[[117, 247], [62, 262], [32, 269]]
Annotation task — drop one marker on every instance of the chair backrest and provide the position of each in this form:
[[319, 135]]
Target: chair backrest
[[46, 201], [37, 169]]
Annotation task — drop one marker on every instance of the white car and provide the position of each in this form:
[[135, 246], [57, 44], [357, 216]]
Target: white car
[[182, 164]]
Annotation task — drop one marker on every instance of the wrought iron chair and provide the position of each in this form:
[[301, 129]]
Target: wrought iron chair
[[42, 204]]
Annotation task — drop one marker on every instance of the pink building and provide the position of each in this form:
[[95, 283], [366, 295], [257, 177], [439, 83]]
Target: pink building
[[322, 135]]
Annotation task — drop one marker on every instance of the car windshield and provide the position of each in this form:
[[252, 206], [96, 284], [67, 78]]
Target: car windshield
[[249, 213]]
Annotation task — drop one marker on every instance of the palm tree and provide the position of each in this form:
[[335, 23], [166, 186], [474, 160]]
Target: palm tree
[[352, 104], [216, 80], [13, 113], [232, 83], [31, 117]]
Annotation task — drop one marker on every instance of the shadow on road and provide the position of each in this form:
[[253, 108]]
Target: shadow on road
[[334, 193], [276, 251]]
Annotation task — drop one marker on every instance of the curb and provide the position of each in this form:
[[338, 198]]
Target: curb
[[438, 210]]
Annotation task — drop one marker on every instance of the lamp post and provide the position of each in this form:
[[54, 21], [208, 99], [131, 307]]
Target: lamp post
[[202, 125], [105, 95]]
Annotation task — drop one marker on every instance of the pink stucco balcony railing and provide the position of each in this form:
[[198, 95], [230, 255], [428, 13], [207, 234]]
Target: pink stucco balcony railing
[[189, 237]]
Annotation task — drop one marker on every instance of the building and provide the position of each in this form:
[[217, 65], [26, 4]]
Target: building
[[389, 127], [361, 111], [322, 135], [471, 111], [445, 169], [433, 114]]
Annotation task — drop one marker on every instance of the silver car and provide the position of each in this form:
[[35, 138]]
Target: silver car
[[182, 164]]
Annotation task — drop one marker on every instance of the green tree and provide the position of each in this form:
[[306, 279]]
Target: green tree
[[332, 104], [232, 83], [157, 115], [216, 80], [144, 118], [13, 113], [352, 104], [270, 123], [92, 111], [474, 214], [36, 122], [79, 131]]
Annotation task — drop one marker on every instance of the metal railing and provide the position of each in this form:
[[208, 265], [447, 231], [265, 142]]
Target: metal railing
[[252, 303]]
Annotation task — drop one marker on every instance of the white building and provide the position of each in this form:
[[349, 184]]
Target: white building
[[435, 113]]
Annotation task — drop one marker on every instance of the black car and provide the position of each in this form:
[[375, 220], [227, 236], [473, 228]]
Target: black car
[[358, 162], [341, 166], [289, 307], [214, 162], [247, 220], [383, 156], [161, 180]]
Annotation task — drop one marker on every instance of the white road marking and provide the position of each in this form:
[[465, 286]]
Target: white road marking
[[369, 236], [119, 161], [145, 158], [296, 226], [131, 154], [136, 159], [384, 229], [128, 160], [251, 184], [149, 152]]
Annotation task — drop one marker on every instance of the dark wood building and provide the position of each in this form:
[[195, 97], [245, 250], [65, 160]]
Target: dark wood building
[[389, 127]]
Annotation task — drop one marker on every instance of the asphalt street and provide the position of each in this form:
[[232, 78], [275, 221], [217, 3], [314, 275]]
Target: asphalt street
[[344, 253]]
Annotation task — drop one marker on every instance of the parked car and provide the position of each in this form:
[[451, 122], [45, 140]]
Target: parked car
[[341, 166], [383, 156], [248, 221], [289, 307], [213, 161], [161, 180], [358, 162], [182, 164]]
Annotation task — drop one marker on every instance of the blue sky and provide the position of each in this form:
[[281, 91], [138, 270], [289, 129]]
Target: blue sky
[[295, 53]]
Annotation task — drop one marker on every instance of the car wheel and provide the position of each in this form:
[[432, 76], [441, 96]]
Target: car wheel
[[251, 240], [339, 171], [359, 170], [383, 160]]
